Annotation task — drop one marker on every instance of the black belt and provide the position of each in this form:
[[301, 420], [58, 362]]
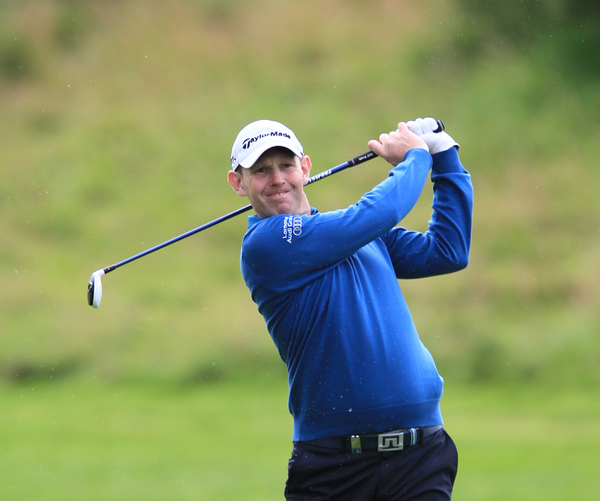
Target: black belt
[[391, 441]]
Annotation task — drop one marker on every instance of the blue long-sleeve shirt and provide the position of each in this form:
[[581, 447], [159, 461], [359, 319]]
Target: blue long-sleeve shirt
[[327, 286]]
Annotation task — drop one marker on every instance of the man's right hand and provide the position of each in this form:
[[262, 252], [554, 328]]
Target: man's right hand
[[393, 146]]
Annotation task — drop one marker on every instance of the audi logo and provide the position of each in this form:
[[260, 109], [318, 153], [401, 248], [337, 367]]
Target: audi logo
[[297, 226]]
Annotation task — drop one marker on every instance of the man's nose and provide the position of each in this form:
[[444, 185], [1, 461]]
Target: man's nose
[[277, 176]]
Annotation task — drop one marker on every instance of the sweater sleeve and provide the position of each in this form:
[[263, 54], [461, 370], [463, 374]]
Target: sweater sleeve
[[445, 247], [287, 251]]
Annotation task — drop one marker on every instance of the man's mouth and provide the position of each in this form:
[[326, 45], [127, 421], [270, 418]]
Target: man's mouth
[[279, 194]]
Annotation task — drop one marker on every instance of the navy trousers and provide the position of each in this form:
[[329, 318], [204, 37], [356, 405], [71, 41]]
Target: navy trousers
[[423, 472]]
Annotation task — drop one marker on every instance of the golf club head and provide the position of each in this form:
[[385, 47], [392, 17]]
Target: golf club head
[[94, 291]]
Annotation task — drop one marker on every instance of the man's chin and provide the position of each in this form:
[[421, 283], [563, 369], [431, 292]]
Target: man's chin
[[280, 209], [266, 212]]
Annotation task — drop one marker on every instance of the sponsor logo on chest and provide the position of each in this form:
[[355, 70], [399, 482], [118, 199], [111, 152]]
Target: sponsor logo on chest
[[292, 227]]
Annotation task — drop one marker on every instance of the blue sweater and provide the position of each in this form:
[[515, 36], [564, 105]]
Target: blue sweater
[[327, 287]]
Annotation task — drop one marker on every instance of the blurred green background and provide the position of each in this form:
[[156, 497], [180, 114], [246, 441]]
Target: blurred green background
[[115, 134]]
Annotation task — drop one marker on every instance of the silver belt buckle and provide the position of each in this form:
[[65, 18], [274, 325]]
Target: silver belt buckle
[[390, 442]]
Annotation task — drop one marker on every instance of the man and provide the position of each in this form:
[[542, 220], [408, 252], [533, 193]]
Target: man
[[364, 391]]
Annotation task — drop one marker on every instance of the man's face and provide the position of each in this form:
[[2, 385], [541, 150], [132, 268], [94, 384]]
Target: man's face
[[275, 183]]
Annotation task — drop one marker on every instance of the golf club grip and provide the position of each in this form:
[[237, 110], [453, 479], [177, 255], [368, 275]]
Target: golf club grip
[[359, 160], [369, 154]]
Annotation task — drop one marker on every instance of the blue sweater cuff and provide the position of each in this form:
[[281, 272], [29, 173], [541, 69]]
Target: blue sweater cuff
[[416, 152], [447, 162]]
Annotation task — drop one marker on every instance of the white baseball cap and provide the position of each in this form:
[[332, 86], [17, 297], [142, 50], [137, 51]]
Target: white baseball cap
[[257, 137]]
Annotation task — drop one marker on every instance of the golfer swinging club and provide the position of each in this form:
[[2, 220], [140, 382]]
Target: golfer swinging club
[[363, 390]]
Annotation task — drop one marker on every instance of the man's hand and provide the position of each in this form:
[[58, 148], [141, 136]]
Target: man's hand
[[393, 146], [437, 141]]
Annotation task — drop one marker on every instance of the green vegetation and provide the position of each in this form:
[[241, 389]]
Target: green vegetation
[[138, 442], [116, 127], [73, 441]]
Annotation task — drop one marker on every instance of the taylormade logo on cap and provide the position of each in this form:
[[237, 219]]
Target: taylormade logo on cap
[[257, 137], [248, 142]]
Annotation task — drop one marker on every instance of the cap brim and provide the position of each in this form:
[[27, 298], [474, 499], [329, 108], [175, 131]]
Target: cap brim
[[251, 159]]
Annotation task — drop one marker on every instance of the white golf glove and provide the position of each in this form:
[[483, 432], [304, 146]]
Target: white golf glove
[[436, 141]]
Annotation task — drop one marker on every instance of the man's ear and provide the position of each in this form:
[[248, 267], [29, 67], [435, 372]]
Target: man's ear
[[306, 165], [235, 180]]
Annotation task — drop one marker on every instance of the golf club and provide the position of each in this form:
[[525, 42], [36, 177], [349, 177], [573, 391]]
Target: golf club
[[94, 290]]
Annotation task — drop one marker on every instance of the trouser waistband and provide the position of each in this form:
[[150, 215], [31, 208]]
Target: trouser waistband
[[391, 441]]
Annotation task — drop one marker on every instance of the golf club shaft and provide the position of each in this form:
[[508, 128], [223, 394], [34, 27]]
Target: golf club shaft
[[350, 163]]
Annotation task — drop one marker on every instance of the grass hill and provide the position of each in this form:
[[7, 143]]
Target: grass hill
[[116, 128]]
